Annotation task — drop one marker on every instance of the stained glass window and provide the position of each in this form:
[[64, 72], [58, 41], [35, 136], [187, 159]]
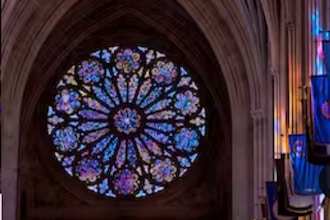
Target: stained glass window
[[126, 121]]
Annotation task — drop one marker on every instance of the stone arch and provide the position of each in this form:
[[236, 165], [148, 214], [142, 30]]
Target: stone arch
[[27, 26]]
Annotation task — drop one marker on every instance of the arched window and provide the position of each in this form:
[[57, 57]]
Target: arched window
[[127, 121]]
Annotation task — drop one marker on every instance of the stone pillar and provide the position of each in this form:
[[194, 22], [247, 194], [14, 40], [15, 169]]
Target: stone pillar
[[260, 154]]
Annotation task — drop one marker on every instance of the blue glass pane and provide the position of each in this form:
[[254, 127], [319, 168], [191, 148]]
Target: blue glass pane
[[93, 104], [161, 126], [126, 182], [148, 187], [140, 194], [55, 120], [103, 96], [67, 161], [67, 101], [104, 186], [90, 71], [122, 86], [127, 120], [128, 60], [160, 137], [110, 150], [88, 170], [186, 140], [163, 170], [93, 136], [66, 139], [96, 54], [159, 105], [163, 115], [145, 88], [90, 114], [185, 81], [152, 146], [99, 147], [133, 85], [143, 151], [164, 72], [153, 95], [106, 56], [111, 90], [121, 155], [186, 102], [89, 126], [131, 153], [184, 162]]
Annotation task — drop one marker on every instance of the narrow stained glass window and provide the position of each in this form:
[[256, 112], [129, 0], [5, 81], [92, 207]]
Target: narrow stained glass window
[[126, 121]]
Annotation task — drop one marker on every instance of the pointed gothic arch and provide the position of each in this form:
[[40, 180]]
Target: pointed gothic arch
[[222, 25]]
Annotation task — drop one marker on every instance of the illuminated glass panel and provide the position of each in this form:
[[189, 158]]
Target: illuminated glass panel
[[126, 121]]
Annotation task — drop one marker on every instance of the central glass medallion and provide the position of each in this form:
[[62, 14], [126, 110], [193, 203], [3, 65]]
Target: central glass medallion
[[126, 121]]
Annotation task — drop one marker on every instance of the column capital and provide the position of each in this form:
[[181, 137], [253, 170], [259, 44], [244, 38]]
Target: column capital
[[290, 25], [274, 72], [257, 114]]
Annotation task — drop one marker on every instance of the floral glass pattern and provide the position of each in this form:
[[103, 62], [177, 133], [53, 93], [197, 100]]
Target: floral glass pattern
[[126, 121]]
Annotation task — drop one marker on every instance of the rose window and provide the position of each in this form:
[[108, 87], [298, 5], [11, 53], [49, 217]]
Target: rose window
[[126, 121]]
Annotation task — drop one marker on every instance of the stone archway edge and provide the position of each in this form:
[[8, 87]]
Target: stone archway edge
[[26, 25]]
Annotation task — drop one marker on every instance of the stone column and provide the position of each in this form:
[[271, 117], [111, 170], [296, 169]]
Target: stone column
[[259, 165]]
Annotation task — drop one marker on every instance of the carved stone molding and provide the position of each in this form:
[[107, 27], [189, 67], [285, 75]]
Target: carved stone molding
[[29, 26], [274, 71], [259, 114], [290, 25]]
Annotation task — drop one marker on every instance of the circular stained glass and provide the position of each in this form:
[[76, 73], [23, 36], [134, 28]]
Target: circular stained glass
[[126, 121]]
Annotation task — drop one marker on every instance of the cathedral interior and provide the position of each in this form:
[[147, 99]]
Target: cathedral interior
[[167, 109]]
